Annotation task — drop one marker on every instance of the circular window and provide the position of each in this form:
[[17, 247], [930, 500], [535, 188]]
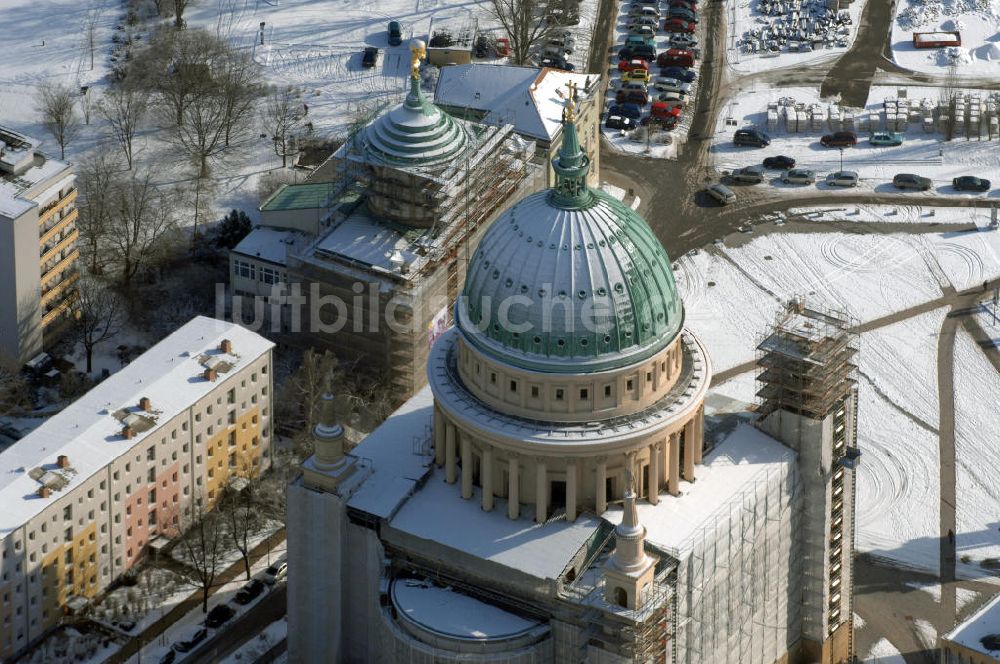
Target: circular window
[[628, 333], [537, 340], [607, 338], [601, 243], [583, 342], [509, 283], [578, 247], [541, 292], [540, 243], [552, 246], [562, 293], [496, 327], [496, 274], [582, 295], [619, 288], [524, 289], [602, 291], [515, 225], [659, 316], [531, 239], [565, 247], [590, 245], [561, 343]]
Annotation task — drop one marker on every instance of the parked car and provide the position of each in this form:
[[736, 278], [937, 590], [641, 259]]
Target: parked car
[[192, 637], [643, 10], [667, 124], [664, 84], [673, 98], [683, 13], [721, 193], [645, 51], [369, 58], [219, 615], [749, 175], [395, 34], [678, 57], [751, 137], [563, 40], [686, 4], [840, 139], [798, 176], [842, 179], [124, 625], [275, 573], [250, 591], [886, 138], [633, 41], [911, 181], [557, 63], [619, 122], [167, 657], [779, 161], [678, 25], [970, 183], [637, 97], [680, 73], [636, 76], [651, 21], [663, 110], [646, 32], [631, 111], [679, 40], [634, 63]]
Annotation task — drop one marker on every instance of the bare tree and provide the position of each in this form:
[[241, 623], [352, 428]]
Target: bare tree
[[100, 316], [239, 508], [96, 179], [124, 108], [57, 104], [306, 386], [138, 225], [203, 545], [524, 23], [238, 83], [283, 116], [15, 395], [179, 7]]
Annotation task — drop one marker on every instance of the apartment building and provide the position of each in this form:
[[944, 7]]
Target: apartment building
[[38, 252], [84, 493]]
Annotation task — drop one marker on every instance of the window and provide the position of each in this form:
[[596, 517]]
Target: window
[[649, 376], [493, 378], [245, 270], [232, 417], [534, 391], [68, 536], [513, 386], [232, 460], [231, 396], [584, 393], [152, 496], [151, 453], [151, 475], [559, 394], [607, 390], [69, 556], [68, 513], [152, 518], [232, 438], [628, 384]]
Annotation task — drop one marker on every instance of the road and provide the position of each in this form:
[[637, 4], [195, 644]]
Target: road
[[246, 627]]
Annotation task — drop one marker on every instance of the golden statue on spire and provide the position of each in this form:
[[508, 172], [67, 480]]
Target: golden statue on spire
[[569, 110], [417, 52]]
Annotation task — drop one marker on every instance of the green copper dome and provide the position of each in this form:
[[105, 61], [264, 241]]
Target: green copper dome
[[414, 133], [570, 279]]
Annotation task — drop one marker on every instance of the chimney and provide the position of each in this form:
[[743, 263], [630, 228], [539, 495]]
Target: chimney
[[62, 461], [127, 433], [209, 375], [145, 404], [44, 491], [226, 346]]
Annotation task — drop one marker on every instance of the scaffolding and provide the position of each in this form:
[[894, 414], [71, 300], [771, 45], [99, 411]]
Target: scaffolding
[[807, 364]]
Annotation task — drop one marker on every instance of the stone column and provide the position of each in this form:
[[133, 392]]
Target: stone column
[[673, 472], [513, 488], [466, 467], [602, 486], [449, 453], [439, 427], [571, 492], [699, 433], [654, 474], [541, 491], [689, 446], [486, 478]]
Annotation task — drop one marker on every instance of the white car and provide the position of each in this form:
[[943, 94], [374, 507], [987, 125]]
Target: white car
[[798, 176], [275, 573], [842, 179], [667, 84], [721, 193]]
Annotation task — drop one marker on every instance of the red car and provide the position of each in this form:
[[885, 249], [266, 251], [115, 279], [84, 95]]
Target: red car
[[675, 57], [664, 111], [634, 63], [678, 25], [631, 97]]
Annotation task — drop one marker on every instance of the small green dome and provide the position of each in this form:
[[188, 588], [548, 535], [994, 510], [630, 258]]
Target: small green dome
[[570, 280]]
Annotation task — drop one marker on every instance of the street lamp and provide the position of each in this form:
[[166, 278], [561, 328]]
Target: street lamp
[[841, 158]]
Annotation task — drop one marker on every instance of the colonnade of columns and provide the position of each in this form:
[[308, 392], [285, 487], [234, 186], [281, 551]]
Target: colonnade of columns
[[669, 460]]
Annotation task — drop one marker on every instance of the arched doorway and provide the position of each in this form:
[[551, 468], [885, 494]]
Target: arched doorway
[[621, 597]]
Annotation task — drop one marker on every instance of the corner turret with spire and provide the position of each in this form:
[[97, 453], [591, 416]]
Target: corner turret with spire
[[329, 466], [629, 571], [571, 164]]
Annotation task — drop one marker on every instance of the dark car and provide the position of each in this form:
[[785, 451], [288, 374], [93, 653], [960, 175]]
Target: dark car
[[250, 591], [780, 162], [678, 25], [686, 4], [168, 657], [840, 139], [682, 13], [219, 615], [631, 111], [637, 97], [557, 63], [752, 137], [680, 73], [970, 183], [395, 34], [641, 51], [911, 181], [619, 122], [370, 57], [191, 639]]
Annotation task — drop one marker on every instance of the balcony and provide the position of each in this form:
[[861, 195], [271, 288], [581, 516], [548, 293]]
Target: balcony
[[57, 269], [50, 295], [49, 211], [63, 244], [49, 317], [57, 226]]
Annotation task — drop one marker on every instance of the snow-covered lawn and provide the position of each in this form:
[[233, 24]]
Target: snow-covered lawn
[[155, 593], [884, 652], [967, 258], [744, 15], [926, 154], [977, 465], [978, 21], [895, 214]]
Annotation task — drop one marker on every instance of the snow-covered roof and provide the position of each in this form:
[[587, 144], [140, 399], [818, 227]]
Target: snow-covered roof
[[395, 467], [984, 622], [21, 168], [361, 239], [88, 431], [302, 196], [525, 97], [742, 458], [438, 513], [272, 244]]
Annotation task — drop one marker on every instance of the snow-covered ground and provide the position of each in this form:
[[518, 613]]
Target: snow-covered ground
[[977, 466], [926, 154], [978, 21], [260, 644], [744, 15], [884, 652], [894, 214]]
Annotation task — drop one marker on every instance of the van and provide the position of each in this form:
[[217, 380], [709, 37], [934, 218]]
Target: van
[[721, 193], [395, 34], [751, 137], [563, 40], [676, 57]]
